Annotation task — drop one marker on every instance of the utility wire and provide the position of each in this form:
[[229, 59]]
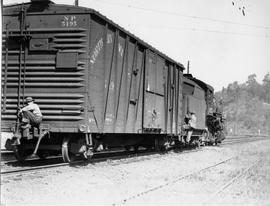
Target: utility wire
[[206, 30], [187, 16]]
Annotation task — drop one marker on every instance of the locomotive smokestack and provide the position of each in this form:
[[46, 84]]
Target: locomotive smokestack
[[188, 67]]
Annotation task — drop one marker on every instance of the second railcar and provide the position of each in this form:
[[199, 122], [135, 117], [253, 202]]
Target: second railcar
[[198, 97], [96, 84]]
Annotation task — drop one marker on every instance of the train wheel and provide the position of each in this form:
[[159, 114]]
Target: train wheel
[[66, 154], [20, 152]]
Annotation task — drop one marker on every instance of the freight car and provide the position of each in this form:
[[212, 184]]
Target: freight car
[[97, 85]]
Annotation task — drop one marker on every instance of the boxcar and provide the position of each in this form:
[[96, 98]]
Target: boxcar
[[95, 83]]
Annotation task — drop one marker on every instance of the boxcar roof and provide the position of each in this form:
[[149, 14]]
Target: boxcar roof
[[62, 8]]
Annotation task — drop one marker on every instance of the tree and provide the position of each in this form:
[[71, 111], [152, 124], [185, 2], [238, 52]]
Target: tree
[[266, 87], [253, 87], [251, 80], [245, 105]]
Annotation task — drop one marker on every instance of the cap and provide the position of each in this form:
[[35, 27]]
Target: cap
[[29, 99]]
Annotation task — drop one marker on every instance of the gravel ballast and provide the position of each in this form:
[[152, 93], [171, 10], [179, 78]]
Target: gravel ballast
[[152, 180]]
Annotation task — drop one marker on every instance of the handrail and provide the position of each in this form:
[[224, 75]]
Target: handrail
[[5, 75]]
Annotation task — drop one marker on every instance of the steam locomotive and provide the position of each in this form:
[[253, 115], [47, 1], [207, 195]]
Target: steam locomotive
[[98, 86]]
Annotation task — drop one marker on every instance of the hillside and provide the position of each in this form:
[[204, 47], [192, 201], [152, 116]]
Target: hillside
[[247, 106]]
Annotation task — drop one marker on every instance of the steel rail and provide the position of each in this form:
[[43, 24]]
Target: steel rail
[[231, 181], [131, 154], [34, 159], [94, 160], [33, 168], [239, 141], [182, 177]]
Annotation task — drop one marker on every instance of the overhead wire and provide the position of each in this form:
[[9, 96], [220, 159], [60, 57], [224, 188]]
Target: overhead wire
[[206, 30], [197, 18], [187, 16]]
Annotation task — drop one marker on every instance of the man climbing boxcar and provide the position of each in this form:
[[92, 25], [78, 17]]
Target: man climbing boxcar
[[192, 125], [31, 114]]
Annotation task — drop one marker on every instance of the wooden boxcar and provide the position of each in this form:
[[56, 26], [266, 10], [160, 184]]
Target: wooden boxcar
[[94, 82]]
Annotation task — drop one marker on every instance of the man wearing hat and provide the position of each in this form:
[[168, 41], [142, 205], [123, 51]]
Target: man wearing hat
[[31, 113], [192, 123]]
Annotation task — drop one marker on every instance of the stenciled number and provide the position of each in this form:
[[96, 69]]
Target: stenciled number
[[69, 21]]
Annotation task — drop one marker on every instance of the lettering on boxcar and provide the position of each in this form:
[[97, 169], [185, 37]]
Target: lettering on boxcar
[[109, 39], [99, 47], [154, 115], [111, 85], [109, 119], [69, 21], [120, 49], [96, 51], [91, 120]]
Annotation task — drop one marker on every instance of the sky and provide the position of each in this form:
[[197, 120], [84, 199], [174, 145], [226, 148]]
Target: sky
[[224, 40]]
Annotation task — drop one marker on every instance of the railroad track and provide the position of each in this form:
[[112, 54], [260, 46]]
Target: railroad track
[[231, 182], [243, 139], [188, 175], [7, 156], [36, 164], [53, 162], [180, 178]]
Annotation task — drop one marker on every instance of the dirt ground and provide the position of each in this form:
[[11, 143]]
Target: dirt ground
[[152, 180]]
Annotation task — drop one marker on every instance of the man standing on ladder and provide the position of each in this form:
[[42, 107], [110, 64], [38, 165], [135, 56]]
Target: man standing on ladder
[[192, 125]]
